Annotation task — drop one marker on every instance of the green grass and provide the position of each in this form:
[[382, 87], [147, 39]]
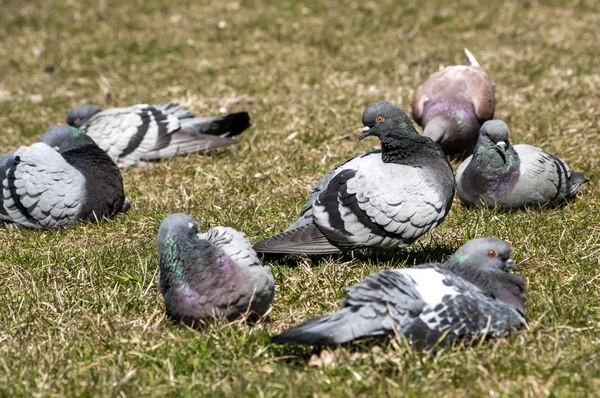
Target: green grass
[[80, 313]]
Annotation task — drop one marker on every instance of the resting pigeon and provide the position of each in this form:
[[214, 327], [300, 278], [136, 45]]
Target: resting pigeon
[[469, 297], [46, 188], [143, 132], [452, 104], [211, 275], [385, 198], [498, 174]]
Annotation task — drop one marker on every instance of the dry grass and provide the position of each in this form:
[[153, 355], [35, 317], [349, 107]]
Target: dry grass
[[80, 313]]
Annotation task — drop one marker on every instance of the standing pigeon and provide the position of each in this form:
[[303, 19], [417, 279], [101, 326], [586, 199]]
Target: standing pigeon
[[469, 297], [452, 104], [46, 188], [499, 174], [385, 198], [143, 132], [211, 275]]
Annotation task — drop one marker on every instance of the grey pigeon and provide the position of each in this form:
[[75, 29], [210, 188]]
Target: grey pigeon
[[469, 297], [385, 198], [452, 104], [499, 174], [60, 180], [211, 275], [150, 132]]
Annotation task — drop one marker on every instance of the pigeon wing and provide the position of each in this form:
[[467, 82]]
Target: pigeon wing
[[41, 189]]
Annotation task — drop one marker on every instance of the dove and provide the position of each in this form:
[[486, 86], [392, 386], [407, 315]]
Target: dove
[[501, 175], [385, 199], [60, 180], [452, 104], [471, 296], [142, 132], [210, 275]]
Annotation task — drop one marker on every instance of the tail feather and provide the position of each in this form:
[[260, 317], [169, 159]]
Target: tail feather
[[223, 126], [576, 180], [307, 239], [471, 58], [343, 326]]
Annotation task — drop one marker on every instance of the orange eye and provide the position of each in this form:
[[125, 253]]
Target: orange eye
[[380, 119], [491, 254]]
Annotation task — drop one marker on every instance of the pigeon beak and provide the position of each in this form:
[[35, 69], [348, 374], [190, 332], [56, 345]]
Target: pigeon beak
[[510, 264], [501, 144], [364, 133]]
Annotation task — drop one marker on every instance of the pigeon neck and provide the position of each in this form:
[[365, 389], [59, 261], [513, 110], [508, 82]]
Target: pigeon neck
[[491, 162], [409, 147], [171, 265]]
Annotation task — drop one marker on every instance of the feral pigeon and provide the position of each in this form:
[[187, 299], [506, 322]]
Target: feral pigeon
[[452, 104], [499, 174], [385, 198], [211, 275], [469, 297], [45, 188], [143, 132]]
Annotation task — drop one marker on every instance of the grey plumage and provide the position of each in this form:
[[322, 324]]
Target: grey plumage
[[499, 174], [143, 132], [46, 188], [453, 103], [216, 274], [386, 198], [470, 296]]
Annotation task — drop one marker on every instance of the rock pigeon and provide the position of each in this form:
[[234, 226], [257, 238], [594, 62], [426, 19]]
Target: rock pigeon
[[46, 188], [452, 104], [499, 174], [385, 198], [143, 132], [211, 275], [469, 297]]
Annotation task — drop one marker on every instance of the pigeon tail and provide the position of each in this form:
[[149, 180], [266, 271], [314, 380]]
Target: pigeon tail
[[340, 327], [307, 239], [222, 126], [471, 58], [576, 180]]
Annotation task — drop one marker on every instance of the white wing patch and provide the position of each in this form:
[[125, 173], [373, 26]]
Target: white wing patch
[[430, 285]]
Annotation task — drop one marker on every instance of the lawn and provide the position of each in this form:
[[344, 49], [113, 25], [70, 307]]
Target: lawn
[[80, 312]]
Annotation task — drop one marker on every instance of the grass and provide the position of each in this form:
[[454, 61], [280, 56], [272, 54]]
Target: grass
[[80, 313]]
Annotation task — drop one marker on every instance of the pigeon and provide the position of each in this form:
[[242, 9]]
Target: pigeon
[[60, 180], [386, 198], [469, 297], [452, 104], [210, 275], [510, 177], [142, 132]]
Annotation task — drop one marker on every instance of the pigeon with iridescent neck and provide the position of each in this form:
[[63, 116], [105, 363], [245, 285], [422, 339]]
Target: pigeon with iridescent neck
[[452, 104], [62, 179], [506, 176], [211, 275], [382, 199], [470, 297], [142, 132]]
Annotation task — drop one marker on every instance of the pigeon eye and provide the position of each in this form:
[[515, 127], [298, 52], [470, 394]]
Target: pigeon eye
[[491, 254], [380, 119]]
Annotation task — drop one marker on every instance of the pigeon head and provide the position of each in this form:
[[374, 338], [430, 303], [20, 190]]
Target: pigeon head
[[494, 134], [382, 119], [485, 263], [65, 138], [485, 253], [179, 247], [78, 115], [400, 142]]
